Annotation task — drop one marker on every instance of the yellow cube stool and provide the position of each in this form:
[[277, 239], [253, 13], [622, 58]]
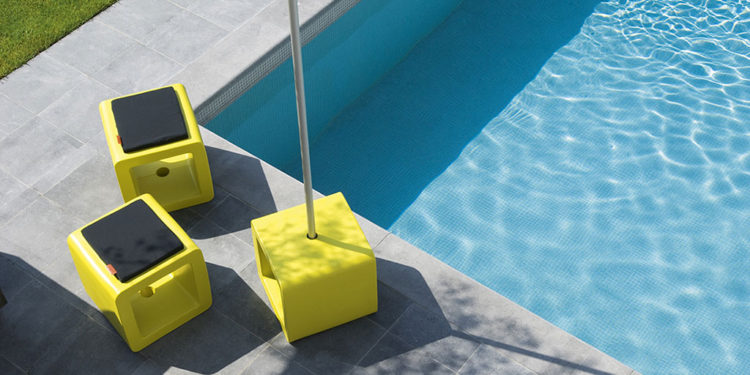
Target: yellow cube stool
[[314, 285], [142, 270], [156, 147]]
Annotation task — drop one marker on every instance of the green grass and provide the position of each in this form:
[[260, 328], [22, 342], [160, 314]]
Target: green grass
[[28, 27]]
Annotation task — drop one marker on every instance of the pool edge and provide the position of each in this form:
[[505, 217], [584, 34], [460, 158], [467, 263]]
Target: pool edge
[[553, 348]]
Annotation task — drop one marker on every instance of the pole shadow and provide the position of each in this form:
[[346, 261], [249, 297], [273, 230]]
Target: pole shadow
[[410, 333]]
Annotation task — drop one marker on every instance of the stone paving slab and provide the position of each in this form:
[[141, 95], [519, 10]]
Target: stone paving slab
[[56, 175]]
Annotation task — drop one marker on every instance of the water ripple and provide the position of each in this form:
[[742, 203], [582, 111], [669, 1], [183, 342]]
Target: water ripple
[[611, 195]]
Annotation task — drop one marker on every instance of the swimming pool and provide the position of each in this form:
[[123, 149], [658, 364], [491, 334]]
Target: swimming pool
[[590, 161]]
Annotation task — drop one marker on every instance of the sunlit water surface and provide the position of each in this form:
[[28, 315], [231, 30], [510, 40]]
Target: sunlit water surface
[[612, 196]]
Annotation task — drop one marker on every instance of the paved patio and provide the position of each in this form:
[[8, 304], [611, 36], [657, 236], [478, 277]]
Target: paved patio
[[56, 176]]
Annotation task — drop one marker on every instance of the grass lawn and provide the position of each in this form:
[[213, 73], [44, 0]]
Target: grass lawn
[[28, 27]]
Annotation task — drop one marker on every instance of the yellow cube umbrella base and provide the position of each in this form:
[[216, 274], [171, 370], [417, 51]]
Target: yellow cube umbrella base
[[156, 147], [315, 284], [141, 270]]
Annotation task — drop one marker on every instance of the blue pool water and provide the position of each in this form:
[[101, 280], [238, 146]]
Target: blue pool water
[[589, 160]]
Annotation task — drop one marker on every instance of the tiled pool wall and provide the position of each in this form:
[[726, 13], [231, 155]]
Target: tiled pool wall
[[340, 64], [259, 69]]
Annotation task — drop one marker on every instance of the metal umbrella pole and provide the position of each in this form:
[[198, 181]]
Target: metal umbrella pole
[[299, 87]]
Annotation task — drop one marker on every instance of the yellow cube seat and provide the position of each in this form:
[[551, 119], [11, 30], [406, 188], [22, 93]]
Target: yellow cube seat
[[156, 147], [142, 270], [317, 284]]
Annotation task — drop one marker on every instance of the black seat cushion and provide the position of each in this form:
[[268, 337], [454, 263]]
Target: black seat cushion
[[132, 240], [150, 119]]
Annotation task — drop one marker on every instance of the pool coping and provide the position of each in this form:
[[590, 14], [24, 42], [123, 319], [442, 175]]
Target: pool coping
[[44, 97]]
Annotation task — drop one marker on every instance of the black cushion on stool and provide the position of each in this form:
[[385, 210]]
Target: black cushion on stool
[[132, 240], [150, 119]]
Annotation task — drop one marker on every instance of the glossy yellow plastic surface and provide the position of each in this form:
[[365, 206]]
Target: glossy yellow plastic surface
[[153, 303], [176, 174], [314, 285]]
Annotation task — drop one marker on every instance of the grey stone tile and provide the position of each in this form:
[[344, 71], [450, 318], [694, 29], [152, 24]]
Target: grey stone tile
[[309, 8], [220, 247], [91, 47], [13, 115], [436, 286], [88, 192], [206, 344], [244, 305], [90, 349], [393, 356], [269, 29], [16, 203], [561, 353], [186, 217], [243, 177], [8, 368], [250, 276], [204, 208], [488, 360], [333, 351], [37, 321], [10, 189], [12, 277], [228, 58], [59, 274], [374, 233], [41, 81], [202, 79], [432, 334], [183, 3], [138, 18], [149, 367], [235, 216], [37, 235], [391, 304], [228, 13], [139, 68], [67, 163], [483, 316], [185, 37], [77, 111], [34, 149], [99, 143], [270, 361]]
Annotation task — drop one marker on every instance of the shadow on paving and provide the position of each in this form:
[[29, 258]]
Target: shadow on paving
[[414, 336], [47, 329], [241, 195]]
